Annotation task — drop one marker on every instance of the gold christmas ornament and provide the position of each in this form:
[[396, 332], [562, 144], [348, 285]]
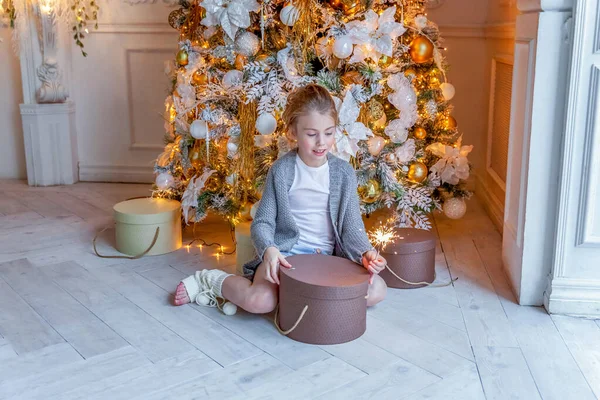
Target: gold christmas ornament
[[375, 144], [240, 62], [455, 208], [370, 192], [375, 110], [421, 50], [410, 73], [182, 58], [195, 157], [176, 17], [420, 133], [336, 4], [351, 77], [245, 210], [199, 79], [417, 172], [351, 7], [385, 61], [449, 123]]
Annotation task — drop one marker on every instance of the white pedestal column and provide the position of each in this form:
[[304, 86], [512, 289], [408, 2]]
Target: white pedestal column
[[50, 143], [48, 119]]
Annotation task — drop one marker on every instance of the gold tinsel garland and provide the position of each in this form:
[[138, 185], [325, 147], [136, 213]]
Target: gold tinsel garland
[[303, 32], [247, 116]]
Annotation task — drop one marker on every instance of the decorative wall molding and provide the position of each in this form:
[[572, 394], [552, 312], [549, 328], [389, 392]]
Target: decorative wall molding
[[490, 31], [568, 149], [116, 173], [508, 60], [493, 205], [135, 144], [532, 6], [136, 28], [587, 225], [435, 3], [571, 296], [500, 31]]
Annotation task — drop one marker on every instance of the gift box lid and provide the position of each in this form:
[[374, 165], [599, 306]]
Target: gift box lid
[[146, 211], [409, 241], [319, 276]]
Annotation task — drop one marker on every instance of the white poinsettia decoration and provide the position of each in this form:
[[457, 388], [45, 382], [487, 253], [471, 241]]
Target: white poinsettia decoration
[[189, 199], [406, 152], [164, 158], [374, 36], [349, 132], [397, 131], [453, 164], [231, 15], [404, 99]]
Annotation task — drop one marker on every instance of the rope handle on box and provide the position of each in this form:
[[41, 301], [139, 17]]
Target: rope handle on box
[[294, 326], [430, 284], [126, 257]]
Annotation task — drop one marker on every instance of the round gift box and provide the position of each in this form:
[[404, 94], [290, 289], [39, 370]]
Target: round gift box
[[136, 223], [332, 289], [411, 257]]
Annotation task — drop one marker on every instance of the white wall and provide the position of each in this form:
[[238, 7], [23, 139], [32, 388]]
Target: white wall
[[12, 153], [462, 26]]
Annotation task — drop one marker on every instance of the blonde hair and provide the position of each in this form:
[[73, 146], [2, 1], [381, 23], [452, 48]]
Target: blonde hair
[[309, 98]]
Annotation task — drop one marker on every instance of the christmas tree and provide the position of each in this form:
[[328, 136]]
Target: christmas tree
[[382, 61]]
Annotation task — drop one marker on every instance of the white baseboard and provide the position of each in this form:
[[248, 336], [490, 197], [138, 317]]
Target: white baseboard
[[493, 205], [577, 297], [116, 173]]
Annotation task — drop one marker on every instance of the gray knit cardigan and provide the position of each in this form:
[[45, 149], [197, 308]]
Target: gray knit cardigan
[[275, 226]]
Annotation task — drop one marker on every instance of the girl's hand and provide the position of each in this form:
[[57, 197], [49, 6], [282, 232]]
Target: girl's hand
[[373, 263], [273, 259]]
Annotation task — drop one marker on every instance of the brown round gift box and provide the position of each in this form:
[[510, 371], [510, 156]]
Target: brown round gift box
[[334, 291], [411, 257]]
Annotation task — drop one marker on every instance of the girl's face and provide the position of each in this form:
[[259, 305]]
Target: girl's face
[[315, 134]]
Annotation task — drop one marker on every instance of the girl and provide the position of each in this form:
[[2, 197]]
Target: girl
[[309, 205]]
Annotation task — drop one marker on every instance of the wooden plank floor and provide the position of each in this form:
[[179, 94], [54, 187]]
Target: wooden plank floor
[[75, 326]]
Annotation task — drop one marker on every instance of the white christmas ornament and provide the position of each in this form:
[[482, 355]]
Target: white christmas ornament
[[232, 78], [164, 180], [421, 21], [231, 149], [289, 15], [266, 124], [247, 44], [199, 129], [448, 91], [342, 47], [455, 208]]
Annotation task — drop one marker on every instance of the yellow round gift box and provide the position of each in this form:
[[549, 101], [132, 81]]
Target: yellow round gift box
[[137, 221]]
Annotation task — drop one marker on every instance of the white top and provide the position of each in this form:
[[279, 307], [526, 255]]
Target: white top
[[309, 204]]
